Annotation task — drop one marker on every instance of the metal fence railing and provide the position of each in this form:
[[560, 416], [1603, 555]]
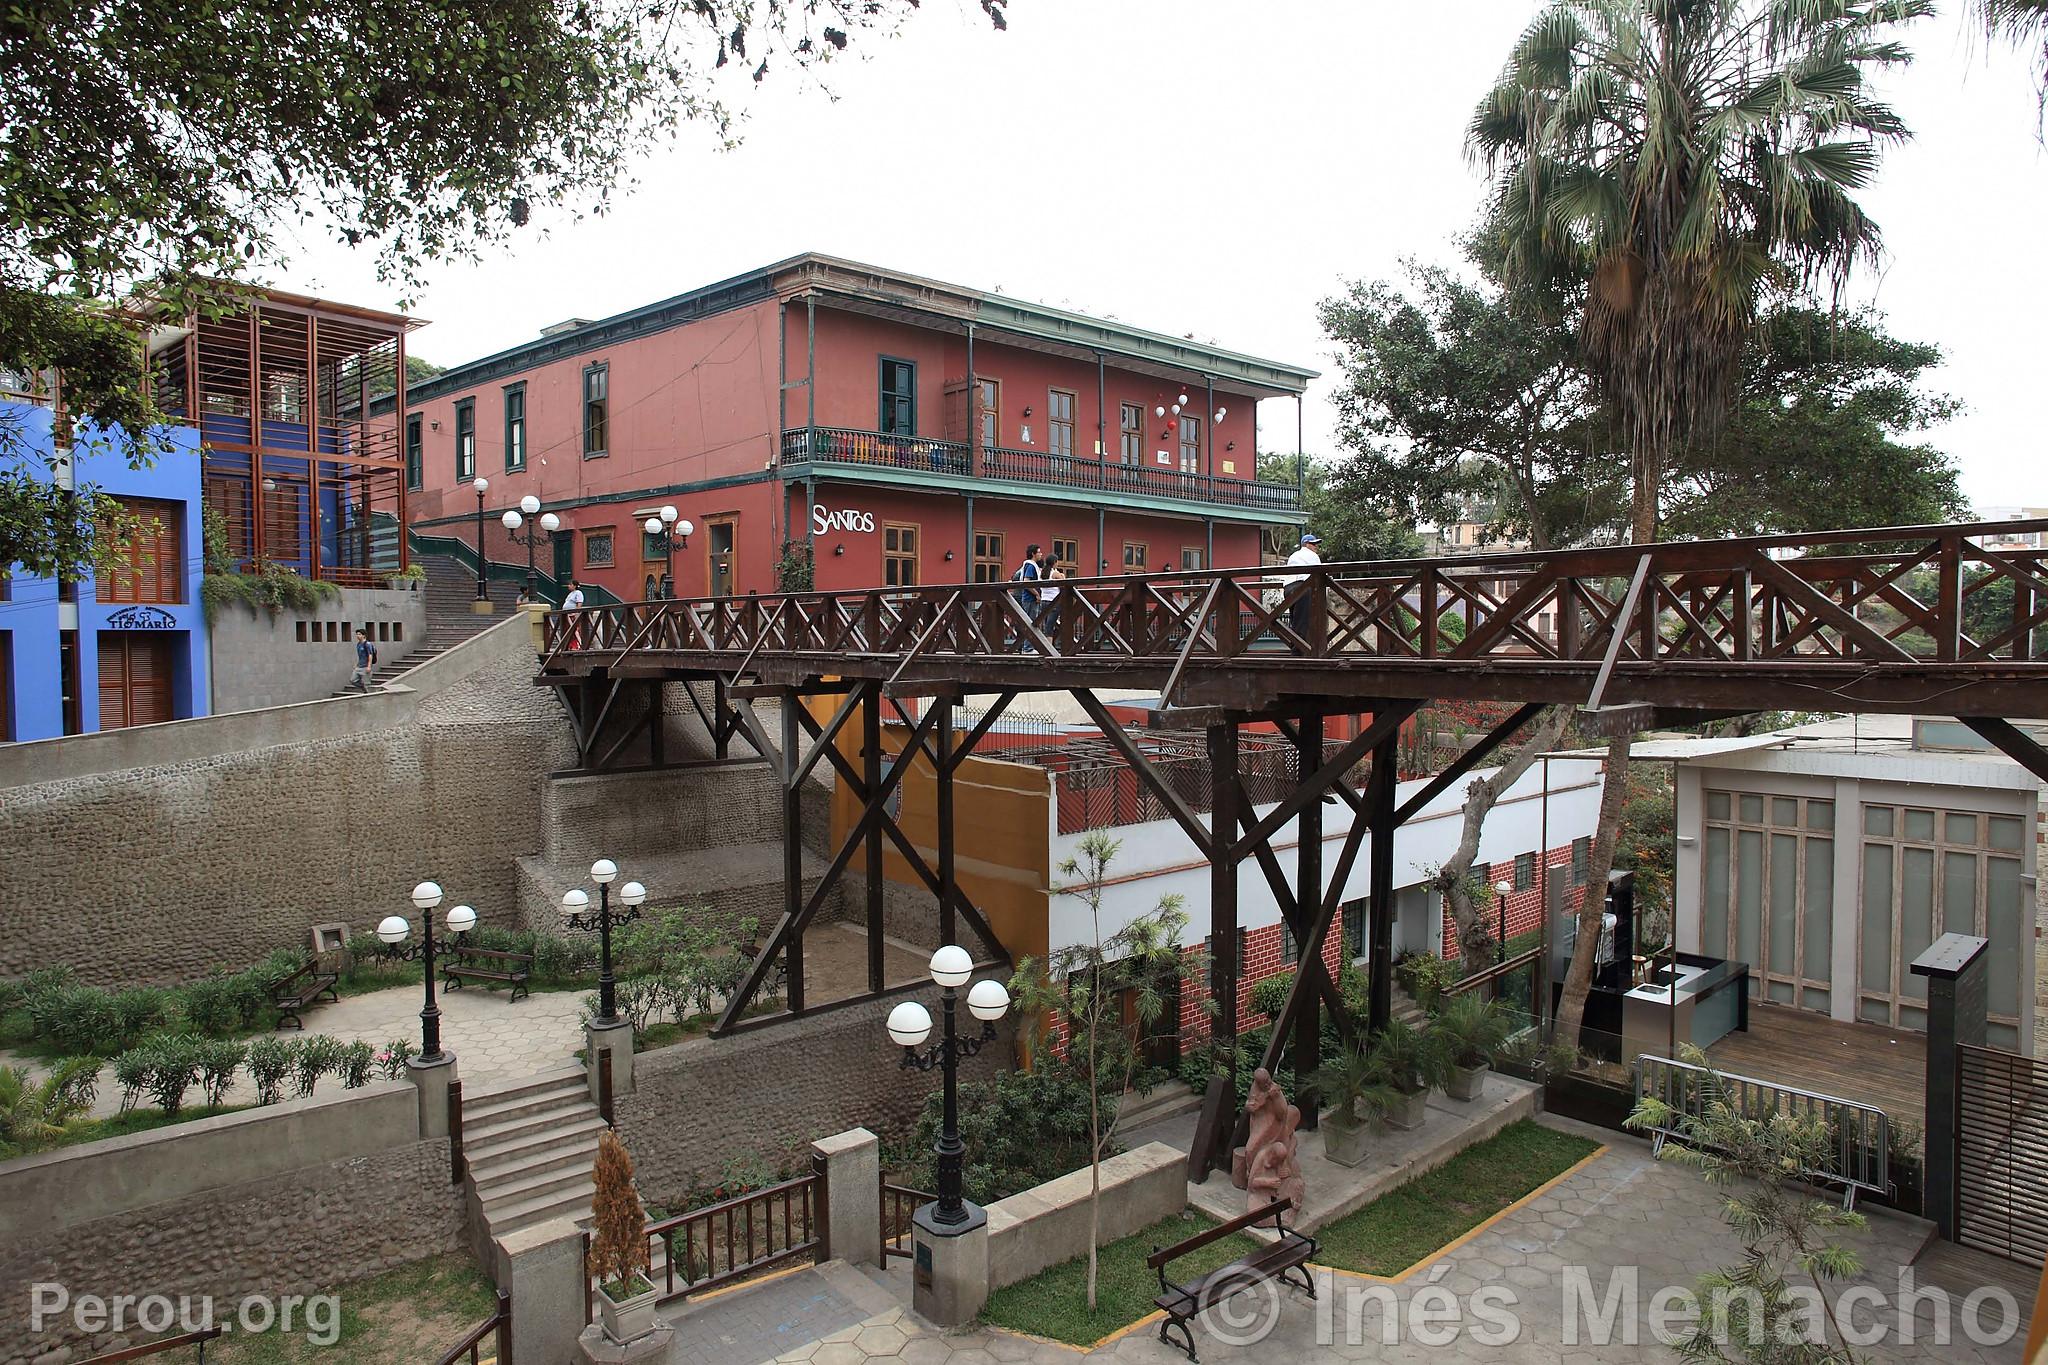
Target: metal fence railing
[[1860, 1134]]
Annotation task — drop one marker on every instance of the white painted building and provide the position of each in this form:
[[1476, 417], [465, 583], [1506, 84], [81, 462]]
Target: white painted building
[[1830, 855]]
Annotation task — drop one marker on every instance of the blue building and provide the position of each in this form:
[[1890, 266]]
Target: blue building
[[126, 646]]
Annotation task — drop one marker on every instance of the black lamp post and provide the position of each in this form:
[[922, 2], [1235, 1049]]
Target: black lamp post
[[395, 930], [576, 914], [515, 518], [911, 1023], [482, 486], [665, 530]]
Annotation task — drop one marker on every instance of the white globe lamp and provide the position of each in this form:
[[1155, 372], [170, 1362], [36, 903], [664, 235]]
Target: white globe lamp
[[909, 1024]]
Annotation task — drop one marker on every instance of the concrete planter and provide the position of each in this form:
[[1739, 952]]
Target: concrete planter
[[1345, 1138], [625, 1321], [1466, 1082], [1408, 1111]]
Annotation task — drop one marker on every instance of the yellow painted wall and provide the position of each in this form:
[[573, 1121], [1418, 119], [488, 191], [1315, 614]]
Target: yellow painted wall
[[1001, 819]]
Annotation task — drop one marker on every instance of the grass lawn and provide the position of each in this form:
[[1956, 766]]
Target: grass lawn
[[1406, 1224], [408, 1315], [1054, 1302]]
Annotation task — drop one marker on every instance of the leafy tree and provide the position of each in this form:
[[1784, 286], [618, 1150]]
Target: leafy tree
[[1457, 392], [1464, 894], [1351, 525], [1814, 439], [167, 150], [1086, 986], [1682, 162], [1750, 1310]]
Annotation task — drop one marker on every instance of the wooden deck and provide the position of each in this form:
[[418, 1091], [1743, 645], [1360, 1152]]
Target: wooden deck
[[1861, 1062]]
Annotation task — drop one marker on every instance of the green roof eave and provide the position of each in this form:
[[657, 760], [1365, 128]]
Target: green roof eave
[[926, 481]]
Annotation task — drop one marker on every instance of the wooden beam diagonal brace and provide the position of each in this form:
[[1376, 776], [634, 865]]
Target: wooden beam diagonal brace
[[1142, 766], [1386, 722], [1465, 762], [793, 925]]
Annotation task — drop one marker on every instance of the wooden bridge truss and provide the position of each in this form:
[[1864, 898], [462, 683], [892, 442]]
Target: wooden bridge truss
[[1912, 619]]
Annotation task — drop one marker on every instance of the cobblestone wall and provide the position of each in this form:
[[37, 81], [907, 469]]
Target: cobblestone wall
[[768, 1093], [302, 1232], [158, 874]]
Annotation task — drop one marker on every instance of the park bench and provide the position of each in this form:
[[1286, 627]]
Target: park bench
[[1182, 1303], [291, 994], [488, 964]]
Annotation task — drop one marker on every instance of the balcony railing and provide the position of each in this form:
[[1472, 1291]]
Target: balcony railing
[[838, 445]]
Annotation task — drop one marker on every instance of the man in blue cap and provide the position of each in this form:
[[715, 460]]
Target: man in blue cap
[[1304, 555]]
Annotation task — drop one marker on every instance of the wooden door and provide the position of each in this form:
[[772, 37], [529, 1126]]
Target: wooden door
[[135, 679]]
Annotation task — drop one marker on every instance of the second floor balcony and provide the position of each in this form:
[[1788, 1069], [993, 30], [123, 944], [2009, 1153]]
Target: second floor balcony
[[826, 447]]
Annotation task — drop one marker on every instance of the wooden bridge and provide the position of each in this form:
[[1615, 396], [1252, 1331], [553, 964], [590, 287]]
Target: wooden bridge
[[1899, 619]]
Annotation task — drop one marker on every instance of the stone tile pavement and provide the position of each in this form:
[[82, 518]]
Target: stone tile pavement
[[1621, 1216]]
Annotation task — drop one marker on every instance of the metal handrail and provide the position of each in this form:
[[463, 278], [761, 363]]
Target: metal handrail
[[899, 1202], [498, 1325], [198, 1338], [1861, 1132], [720, 1231]]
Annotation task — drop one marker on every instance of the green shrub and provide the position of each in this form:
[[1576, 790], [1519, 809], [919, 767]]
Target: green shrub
[[1426, 977], [139, 1011], [131, 1073], [1021, 1129], [391, 1059], [313, 1058], [172, 1068], [356, 1061], [1269, 996], [212, 1005], [270, 1061], [218, 1058]]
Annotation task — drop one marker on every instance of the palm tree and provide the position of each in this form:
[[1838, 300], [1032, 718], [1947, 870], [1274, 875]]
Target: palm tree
[[2024, 24], [1684, 159]]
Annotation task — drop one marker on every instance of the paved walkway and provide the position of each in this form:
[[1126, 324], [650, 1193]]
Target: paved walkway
[[1621, 1218]]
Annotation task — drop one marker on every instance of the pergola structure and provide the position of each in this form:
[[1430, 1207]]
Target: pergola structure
[[1906, 619]]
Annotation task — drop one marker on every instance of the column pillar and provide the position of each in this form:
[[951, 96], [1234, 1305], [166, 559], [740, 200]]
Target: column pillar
[[1308, 903], [1379, 810], [871, 775], [853, 1194], [541, 1267], [1957, 1004]]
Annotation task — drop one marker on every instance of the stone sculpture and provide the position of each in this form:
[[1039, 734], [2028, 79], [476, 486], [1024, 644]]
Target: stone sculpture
[[1266, 1167]]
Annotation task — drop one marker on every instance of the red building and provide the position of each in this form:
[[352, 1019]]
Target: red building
[[819, 407]]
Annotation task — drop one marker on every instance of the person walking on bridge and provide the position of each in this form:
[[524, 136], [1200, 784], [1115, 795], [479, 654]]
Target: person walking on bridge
[[1304, 555]]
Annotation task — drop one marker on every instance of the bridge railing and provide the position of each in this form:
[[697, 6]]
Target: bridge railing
[[1932, 594]]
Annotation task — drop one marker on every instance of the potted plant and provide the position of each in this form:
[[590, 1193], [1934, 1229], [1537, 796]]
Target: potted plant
[[1470, 1031], [1353, 1093], [1409, 1062], [618, 1251], [409, 579]]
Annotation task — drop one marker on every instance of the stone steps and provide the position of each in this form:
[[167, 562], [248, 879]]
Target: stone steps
[[530, 1145]]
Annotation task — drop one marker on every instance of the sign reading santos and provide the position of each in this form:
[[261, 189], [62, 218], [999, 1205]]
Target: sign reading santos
[[824, 522]]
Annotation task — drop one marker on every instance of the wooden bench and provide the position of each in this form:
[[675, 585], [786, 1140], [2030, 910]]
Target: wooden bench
[[1270, 1264], [302, 988], [488, 964]]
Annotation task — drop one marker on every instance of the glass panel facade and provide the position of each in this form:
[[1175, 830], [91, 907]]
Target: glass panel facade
[[1817, 949], [2003, 927], [1959, 892], [1714, 897], [1717, 805], [1784, 810], [2005, 833], [1877, 921], [1916, 911], [1785, 908], [1820, 815], [1749, 895], [1752, 808]]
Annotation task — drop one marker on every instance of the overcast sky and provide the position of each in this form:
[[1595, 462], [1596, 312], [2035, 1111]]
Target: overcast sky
[[1219, 166]]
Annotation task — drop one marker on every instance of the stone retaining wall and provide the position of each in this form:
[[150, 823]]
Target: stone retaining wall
[[296, 1198], [165, 851], [767, 1093]]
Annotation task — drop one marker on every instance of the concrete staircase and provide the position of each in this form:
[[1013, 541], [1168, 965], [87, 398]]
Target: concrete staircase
[[450, 592], [530, 1145], [1406, 1010]]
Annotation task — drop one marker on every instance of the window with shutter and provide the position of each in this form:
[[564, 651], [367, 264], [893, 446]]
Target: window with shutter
[[149, 564]]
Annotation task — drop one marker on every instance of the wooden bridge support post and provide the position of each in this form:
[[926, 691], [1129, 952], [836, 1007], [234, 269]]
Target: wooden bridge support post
[[792, 845], [1379, 811], [1223, 818], [1308, 897], [871, 776], [949, 881]]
